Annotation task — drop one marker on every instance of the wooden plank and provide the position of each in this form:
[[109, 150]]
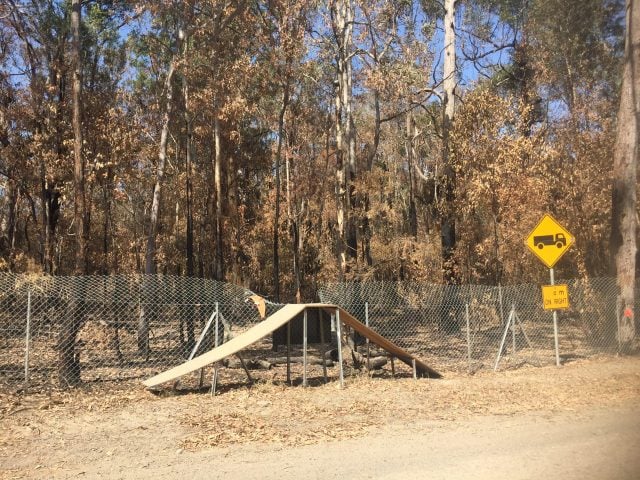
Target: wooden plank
[[395, 351], [275, 321], [251, 336]]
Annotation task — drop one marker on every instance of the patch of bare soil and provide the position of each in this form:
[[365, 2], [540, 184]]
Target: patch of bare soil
[[292, 416], [64, 435]]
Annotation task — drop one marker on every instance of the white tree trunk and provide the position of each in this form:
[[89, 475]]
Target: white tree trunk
[[217, 180], [342, 23], [150, 264], [447, 223], [449, 68]]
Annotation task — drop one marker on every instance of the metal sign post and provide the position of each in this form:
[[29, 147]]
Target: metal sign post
[[555, 323]]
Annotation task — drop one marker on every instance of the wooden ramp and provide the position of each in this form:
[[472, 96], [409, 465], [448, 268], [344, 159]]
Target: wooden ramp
[[275, 321], [421, 368]]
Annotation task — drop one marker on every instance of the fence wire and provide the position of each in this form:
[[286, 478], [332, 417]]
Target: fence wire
[[126, 327], [469, 327], [116, 328]]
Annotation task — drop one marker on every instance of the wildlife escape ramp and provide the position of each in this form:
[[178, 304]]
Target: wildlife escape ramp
[[277, 320]]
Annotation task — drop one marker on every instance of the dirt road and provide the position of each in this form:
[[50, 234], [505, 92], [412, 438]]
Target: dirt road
[[602, 444], [581, 421]]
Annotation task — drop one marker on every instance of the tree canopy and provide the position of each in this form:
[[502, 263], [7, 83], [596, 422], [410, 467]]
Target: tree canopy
[[280, 144]]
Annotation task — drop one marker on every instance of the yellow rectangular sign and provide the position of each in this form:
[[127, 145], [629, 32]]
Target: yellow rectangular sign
[[555, 297]]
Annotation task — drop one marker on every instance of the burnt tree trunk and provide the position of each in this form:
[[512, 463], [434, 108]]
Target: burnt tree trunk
[[623, 221], [218, 263], [276, 216], [150, 262], [69, 369]]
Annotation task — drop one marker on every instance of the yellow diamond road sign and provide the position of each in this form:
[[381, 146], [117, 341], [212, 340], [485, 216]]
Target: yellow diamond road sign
[[549, 241]]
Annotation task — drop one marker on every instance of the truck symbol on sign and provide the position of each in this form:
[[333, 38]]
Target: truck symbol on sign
[[558, 240]]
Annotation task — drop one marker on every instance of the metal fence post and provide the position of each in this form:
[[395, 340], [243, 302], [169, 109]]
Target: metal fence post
[[339, 333], [618, 308], [201, 337], [304, 348], [216, 339], [513, 331], [366, 321], [501, 304], [27, 339], [466, 308], [214, 376]]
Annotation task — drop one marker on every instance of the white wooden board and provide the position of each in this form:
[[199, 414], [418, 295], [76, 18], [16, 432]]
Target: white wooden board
[[273, 322], [258, 332]]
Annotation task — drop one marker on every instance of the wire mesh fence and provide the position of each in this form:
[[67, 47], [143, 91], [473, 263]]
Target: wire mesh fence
[[62, 330], [57, 330], [469, 327]]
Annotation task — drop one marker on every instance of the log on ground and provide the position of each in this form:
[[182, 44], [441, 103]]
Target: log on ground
[[310, 360], [252, 364]]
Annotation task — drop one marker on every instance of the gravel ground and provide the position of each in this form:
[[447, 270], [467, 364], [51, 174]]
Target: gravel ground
[[578, 421]]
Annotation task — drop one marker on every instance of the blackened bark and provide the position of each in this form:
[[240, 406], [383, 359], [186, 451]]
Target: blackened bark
[[623, 221], [69, 368], [150, 263], [276, 214]]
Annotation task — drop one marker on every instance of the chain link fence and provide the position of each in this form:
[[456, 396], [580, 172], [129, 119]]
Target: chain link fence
[[470, 327], [58, 330]]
